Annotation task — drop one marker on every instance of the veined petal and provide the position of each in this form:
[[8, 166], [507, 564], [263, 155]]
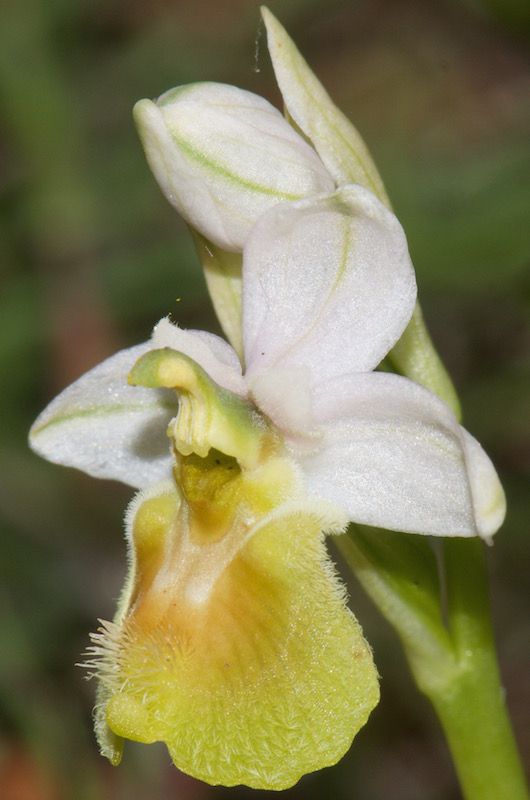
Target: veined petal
[[223, 156], [107, 428], [393, 456], [212, 353], [328, 287], [335, 139], [263, 677]]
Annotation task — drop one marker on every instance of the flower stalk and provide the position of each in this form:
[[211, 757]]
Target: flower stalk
[[452, 656], [472, 708]]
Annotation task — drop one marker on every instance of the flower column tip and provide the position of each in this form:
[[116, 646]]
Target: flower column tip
[[208, 416]]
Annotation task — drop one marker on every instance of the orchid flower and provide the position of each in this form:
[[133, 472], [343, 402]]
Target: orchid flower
[[223, 156], [232, 642]]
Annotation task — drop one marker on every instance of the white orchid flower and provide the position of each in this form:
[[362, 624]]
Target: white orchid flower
[[328, 289], [232, 642]]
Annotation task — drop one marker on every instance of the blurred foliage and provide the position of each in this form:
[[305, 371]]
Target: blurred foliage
[[91, 256]]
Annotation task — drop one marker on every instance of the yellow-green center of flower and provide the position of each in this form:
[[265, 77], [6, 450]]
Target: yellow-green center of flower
[[232, 642], [230, 472], [208, 416]]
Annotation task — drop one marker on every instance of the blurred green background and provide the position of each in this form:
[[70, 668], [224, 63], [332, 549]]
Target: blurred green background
[[92, 255]]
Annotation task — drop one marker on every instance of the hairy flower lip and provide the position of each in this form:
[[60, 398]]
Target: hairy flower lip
[[271, 631]]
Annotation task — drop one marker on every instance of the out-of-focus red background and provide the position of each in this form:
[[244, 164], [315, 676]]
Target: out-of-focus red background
[[92, 255]]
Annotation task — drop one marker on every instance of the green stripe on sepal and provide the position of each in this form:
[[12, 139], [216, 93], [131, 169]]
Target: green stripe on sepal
[[336, 140]]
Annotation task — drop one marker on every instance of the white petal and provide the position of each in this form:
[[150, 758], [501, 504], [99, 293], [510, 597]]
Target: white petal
[[107, 428], [335, 139], [393, 456], [223, 156], [489, 499], [213, 354], [328, 287]]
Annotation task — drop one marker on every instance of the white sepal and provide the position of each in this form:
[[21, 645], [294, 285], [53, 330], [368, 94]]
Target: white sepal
[[107, 428], [393, 456], [328, 288], [333, 136]]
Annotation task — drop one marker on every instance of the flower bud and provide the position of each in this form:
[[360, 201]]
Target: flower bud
[[223, 156]]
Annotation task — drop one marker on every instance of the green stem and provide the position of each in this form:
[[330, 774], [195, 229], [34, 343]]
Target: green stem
[[471, 706], [454, 665], [415, 356]]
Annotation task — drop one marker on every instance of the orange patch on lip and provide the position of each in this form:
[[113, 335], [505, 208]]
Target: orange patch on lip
[[239, 653]]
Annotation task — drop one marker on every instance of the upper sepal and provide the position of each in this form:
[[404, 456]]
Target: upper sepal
[[333, 136], [328, 287]]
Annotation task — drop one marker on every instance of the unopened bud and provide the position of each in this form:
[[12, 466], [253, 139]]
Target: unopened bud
[[223, 156]]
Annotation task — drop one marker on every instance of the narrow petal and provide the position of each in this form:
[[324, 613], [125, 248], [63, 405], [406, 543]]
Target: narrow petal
[[393, 456], [107, 428], [328, 287], [257, 680], [212, 353], [335, 139]]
